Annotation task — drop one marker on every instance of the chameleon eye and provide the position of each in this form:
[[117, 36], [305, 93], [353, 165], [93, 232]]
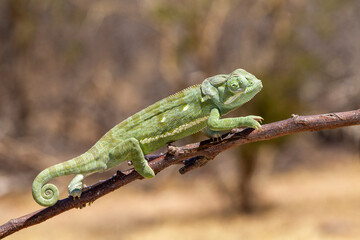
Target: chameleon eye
[[234, 85]]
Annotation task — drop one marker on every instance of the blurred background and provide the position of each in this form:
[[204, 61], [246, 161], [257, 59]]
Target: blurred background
[[71, 70]]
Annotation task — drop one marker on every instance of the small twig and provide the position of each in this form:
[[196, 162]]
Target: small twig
[[196, 154], [193, 163]]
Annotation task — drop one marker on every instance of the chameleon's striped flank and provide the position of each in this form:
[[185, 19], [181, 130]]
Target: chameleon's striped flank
[[175, 131]]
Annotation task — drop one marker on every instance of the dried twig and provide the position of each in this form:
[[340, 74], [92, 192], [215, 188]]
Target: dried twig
[[192, 156]]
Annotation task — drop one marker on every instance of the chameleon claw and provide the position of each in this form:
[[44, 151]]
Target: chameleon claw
[[215, 136], [76, 193], [257, 118]]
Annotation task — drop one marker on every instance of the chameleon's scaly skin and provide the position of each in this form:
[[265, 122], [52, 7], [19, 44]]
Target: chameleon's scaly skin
[[168, 120]]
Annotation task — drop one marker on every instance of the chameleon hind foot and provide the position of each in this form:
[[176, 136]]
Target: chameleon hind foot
[[131, 149], [76, 185]]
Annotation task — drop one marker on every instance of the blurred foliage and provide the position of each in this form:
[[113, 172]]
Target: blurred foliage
[[71, 70]]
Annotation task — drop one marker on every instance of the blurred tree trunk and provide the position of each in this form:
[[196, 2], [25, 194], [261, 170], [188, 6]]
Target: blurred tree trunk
[[246, 164], [17, 37]]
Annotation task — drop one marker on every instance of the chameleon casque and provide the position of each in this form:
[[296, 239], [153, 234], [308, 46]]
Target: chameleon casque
[[172, 118]]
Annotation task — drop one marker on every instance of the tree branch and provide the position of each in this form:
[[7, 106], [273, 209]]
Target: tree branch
[[192, 156]]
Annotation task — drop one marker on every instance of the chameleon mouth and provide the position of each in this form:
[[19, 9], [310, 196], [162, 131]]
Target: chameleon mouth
[[254, 88], [233, 98]]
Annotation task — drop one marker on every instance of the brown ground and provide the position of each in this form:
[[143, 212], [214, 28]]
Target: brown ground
[[321, 203]]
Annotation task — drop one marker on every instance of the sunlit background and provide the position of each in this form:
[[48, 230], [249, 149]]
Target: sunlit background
[[71, 70]]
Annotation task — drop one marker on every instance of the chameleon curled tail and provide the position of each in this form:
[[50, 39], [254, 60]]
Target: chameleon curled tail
[[48, 194]]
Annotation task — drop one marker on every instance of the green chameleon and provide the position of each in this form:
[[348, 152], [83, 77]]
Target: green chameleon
[[172, 118]]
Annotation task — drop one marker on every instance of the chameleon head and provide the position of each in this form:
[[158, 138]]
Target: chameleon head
[[238, 88]]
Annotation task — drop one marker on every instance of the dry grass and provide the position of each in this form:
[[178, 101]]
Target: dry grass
[[322, 203]]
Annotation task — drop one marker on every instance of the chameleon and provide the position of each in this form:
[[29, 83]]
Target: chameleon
[[182, 114]]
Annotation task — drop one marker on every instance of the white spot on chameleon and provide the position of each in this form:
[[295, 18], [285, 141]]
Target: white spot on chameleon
[[203, 99], [175, 131], [185, 107], [163, 119]]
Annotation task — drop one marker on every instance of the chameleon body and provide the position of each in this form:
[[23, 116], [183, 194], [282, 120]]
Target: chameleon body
[[172, 118]]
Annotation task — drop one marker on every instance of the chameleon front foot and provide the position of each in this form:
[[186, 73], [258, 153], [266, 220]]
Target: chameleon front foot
[[216, 139], [252, 121]]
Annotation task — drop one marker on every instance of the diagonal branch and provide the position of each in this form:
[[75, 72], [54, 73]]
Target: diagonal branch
[[192, 156]]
